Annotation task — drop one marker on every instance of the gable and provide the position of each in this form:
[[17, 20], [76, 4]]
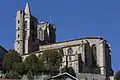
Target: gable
[[63, 76]]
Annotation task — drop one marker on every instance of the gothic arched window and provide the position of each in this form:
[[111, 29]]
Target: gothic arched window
[[38, 33], [94, 54], [70, 53], [41, 34], [88, 57], [80, 62]]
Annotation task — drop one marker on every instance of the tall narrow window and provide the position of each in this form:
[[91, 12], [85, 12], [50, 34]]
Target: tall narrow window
[[33, 25], [88, 56], [18, 35], [41, 34], [20, 12], [70, 54], [94, 55], [80, 63], [38, 34], [18, 21], [25, 24]]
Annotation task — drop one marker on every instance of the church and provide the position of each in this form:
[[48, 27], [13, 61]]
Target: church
[[90, 56]]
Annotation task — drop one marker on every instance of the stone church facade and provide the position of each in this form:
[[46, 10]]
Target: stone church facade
[[86, 55], [30, 33]]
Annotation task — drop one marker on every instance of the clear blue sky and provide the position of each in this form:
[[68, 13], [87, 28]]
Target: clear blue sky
[[74, 19]]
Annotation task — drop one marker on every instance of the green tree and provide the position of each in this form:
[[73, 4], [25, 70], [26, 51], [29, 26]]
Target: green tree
[[10, 58], [19, 68], [117, 75], [31, 64], [69, 70], [52, 61], [31, 59], [41, 60], [36, 68]]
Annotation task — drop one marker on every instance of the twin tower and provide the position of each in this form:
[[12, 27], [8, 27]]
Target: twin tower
[[30, 33]]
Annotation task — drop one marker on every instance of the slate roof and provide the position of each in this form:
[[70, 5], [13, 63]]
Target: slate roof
[[63, 74]]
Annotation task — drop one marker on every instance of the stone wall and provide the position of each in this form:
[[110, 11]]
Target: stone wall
[[85, 76]]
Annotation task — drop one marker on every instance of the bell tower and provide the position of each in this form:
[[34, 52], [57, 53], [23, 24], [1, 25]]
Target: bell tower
[[19, 42], [26, 31]]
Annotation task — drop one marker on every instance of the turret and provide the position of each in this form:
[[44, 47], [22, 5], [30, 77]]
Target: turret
[[19, 47]]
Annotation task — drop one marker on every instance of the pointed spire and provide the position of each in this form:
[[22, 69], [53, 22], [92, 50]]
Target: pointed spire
[[27, 8]]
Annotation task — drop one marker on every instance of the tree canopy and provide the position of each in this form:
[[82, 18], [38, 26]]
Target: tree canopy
[[117, 75], [31, 64], [49, 61], [52, 60], [31, 59], [19, 68], [10, 58]]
